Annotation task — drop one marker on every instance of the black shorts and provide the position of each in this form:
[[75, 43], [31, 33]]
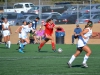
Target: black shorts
[[80, 49]]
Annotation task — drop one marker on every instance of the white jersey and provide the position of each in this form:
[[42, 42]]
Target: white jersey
[[6, 26], [25, 30], [82, 42], [20, 33]]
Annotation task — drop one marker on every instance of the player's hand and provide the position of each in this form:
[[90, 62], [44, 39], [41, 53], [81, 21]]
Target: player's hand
[[15, 31], [85, 37]]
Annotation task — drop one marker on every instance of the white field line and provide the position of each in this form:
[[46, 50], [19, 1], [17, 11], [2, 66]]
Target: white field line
[[37, 57], [69, 74]]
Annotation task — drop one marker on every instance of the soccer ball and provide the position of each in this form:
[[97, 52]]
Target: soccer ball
[[60, 50]]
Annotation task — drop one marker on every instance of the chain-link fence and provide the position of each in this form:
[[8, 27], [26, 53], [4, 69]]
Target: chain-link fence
[[60, 12]]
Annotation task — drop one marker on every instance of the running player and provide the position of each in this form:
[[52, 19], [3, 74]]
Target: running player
[[6, 32], [24, 35], [49, 26], [24, 24], [20, 39], [82, 45]]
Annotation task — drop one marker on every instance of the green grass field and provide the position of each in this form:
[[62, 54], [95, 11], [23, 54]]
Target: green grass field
[[47, 62]]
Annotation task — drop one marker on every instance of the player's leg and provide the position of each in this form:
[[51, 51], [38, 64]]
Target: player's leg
[[19, 39], [42, 43], [23, 39], [35, 40], [5, 40], [46, 39], [72, 39], [21, 46], [8, 41], [77, 53], [53, 44], [27, 41], [40, 38], [88, 53], [5, 37]]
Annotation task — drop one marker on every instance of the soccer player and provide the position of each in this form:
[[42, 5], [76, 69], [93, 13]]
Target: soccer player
[[6, 32], [49, 26], [24, 24], [20, 38], [24, 35], [82, 45]]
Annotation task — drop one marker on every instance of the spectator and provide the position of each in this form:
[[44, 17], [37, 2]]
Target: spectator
[[40, 35], [76, 34], [1, 29], [34, 26]]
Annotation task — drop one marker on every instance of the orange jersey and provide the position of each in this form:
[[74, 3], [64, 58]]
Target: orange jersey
[[49, 28]]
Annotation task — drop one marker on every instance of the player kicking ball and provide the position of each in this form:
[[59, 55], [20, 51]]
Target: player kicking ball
[[49, 27], [82, 45]]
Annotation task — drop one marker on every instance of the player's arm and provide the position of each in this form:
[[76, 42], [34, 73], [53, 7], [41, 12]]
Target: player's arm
[[19, 29], [84, 32]]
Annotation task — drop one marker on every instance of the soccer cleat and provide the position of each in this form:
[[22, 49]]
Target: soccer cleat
[[21, 51], [84, 65], [54, 50], [69, 65], [39, 49]]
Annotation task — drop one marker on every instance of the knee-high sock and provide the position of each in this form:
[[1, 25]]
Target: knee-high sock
[[53, 45], [41, 45], [9, 44], [85, 59], [72, 59]]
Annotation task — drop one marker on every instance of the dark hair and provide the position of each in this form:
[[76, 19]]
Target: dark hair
[[49, 20], [28, 23], [24, 21], [2, 18], [77, 25], [89, 24], [38, 18]]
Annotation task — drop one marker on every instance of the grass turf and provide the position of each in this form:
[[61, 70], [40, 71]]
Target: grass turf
[[47, 62]]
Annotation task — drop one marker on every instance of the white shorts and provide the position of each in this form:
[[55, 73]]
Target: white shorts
[[6, 33], [20, 35], [80, 43], [23, 36]]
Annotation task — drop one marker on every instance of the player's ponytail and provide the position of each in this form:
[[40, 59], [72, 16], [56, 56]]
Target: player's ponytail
[[89, 24]]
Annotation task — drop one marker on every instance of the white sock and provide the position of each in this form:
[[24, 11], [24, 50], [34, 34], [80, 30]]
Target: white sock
[[85, 59], [24, 43], [19, 41], [72, 59], [9, 44]]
